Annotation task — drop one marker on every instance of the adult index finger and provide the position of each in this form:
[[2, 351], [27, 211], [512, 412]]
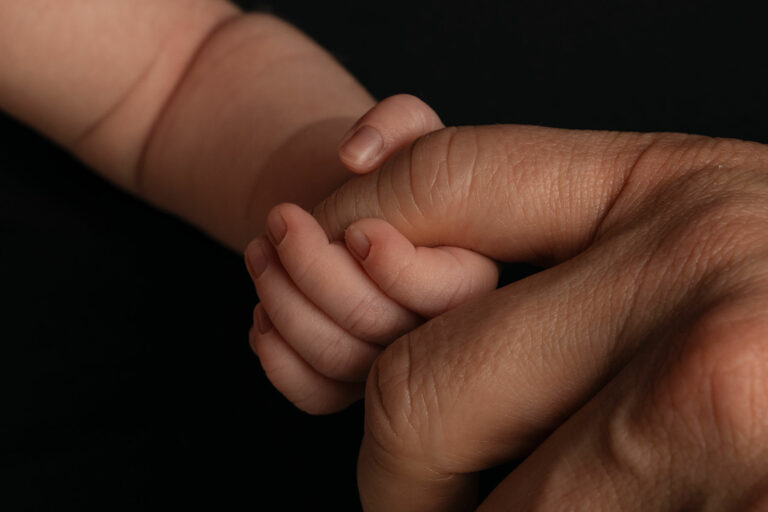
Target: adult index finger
[[515, 193]]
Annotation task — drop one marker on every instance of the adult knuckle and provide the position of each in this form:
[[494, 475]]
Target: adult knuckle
[[717, 229], [677, 171], [357, 198], [388, 398], [667, 156], [697, 152], [702, 403], [697, 170], [441, 169], [632, 447], [461, 154], [708, 220], [323, 212], [738, 393], [397, 406], [724, 377]]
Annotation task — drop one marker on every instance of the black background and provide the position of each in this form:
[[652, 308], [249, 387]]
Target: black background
[[128, 381]]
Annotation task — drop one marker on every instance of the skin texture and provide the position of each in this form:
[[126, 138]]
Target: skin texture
[[632, 372], [80, 70], [327, 309], [189, 104]]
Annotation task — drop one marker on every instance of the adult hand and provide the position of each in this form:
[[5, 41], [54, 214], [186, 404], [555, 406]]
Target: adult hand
[[632, 372]]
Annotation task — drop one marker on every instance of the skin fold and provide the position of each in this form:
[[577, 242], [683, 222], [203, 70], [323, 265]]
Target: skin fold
[[632, 372], [193, 106]]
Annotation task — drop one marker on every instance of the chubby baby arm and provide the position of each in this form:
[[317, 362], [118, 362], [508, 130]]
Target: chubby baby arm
[[210, 113]]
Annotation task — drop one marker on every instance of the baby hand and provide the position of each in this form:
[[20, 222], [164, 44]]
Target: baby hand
[[328, 309]]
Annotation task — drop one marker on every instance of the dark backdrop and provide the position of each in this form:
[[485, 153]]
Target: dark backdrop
[[128, 382]]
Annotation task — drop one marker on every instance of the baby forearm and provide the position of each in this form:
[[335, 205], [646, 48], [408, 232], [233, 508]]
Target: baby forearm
[[255, 121], [208, 113], [93, 74]]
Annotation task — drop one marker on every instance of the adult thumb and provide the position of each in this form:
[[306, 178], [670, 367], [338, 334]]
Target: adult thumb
[[514, 193]]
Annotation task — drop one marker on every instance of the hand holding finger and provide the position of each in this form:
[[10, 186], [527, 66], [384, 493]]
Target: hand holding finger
[[513, 193], [640, 354], [389, 126], [426, 280], [322, 343]]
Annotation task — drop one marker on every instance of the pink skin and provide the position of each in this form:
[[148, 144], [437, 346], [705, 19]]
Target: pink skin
[[327, 310], [389, 126]]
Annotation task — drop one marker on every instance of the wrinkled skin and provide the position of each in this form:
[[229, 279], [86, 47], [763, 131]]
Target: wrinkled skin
[[632, 372]]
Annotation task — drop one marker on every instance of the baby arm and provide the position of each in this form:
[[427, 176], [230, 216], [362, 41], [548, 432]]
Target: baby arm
[[328, 309], [207, 112]]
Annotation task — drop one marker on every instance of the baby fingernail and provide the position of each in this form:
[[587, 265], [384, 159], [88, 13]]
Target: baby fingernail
[[263, 321], [276, 228], [358, 243], [256, 260], [363, 146]]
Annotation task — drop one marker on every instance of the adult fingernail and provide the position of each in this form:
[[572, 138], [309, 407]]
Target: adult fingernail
[[276, 228], [263, 321], [358, 243], [363, 146], [256, 260]]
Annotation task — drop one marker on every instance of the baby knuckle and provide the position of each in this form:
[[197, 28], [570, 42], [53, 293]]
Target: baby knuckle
[[336, 359], [367, 319], [311, 402], [398, 272], [304, 271], [405, 100], [307, 398], [411, 109]]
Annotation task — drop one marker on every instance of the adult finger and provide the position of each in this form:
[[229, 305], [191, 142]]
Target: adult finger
[[515, 193], [485, 382], [482, 383], [391, 124]]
